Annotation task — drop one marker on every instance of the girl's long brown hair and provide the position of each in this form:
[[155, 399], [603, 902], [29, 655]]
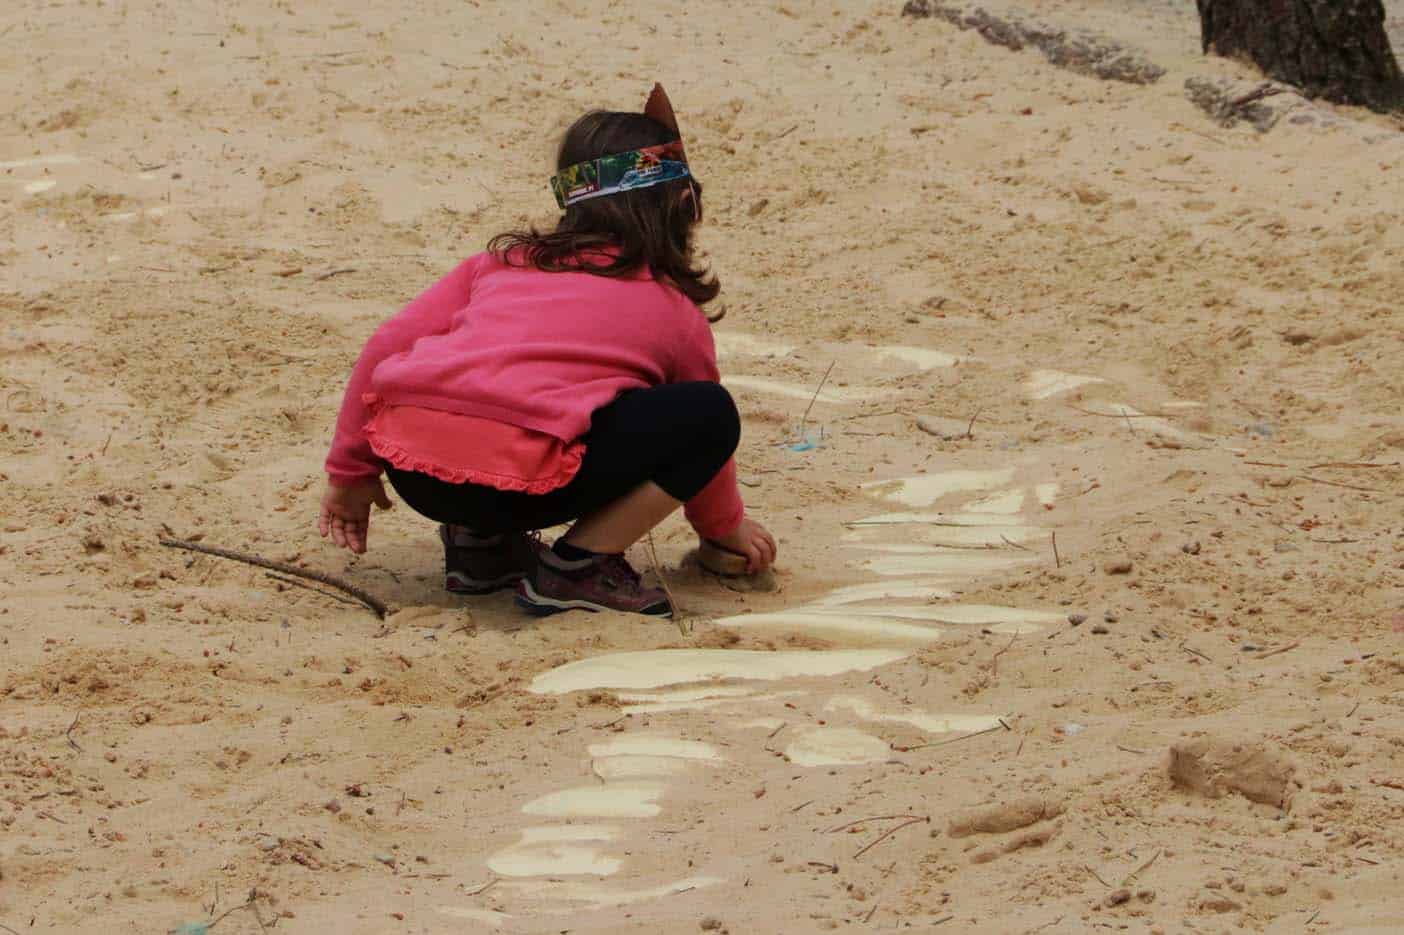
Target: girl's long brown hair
[[649, 227]]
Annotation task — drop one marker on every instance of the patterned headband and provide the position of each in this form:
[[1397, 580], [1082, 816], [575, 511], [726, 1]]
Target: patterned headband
[[622, 172]]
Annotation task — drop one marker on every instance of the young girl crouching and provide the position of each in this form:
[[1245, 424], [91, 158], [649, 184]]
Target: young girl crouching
[[560, 376]]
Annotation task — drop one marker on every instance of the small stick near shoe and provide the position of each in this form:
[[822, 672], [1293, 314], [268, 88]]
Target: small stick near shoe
[[374, 603]]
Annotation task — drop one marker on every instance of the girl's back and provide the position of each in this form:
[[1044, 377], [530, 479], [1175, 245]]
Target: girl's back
[[544, 350]]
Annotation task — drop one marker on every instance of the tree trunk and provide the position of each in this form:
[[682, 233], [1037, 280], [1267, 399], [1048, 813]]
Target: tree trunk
[[1334, 49]]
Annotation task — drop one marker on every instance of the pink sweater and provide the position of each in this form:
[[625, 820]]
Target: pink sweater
[[540, 351]]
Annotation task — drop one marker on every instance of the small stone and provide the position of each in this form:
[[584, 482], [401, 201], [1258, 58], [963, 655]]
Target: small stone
[[1214, 767], [1110, 617], [711, 924], [333, 806], [1190, 548], [1118, 897], [1146, 895], [1077, 620], [1100, 630], [1118, 567]]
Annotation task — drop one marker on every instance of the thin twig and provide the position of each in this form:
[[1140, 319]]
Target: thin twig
[[942, 743], [69, 733], [1194, 652], [1123, 413], [336, 272], [1057, 560], [994, 660], [1015, 545], [889, 833], [2, 924], [1354, 464], [871, 415], [229, 912], [1134, 873], [672, 601], [1097, 875], [864, 821], [1281, 649], [1129, 426], [299, 584], [1257, 94], [361, 595], [970, 429], [817, 390], [1331, 483], [485, 887]]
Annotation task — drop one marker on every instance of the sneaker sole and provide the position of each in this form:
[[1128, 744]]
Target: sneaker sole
[[458, 583], [539, 606]]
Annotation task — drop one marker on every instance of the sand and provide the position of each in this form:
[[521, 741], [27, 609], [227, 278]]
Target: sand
[[208, 207]]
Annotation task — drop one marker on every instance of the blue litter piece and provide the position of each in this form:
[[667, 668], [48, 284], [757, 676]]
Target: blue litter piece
[[192, 928], [805, 445]]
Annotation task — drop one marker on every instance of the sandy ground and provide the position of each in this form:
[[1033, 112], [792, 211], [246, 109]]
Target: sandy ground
[[182, 737]]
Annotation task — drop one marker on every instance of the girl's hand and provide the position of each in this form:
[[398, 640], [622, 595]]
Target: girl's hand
[[345, 513], [753, 541]]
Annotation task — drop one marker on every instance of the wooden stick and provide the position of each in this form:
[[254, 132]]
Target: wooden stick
[[69, 733], [817, 390], [864, 821], [1194, 652], [1354, 464], [970, 429], [889, 833], [336, 272], [485, 887], [1331, 483], [1134, 873], [299, 584], [994, 660], [361, 595], [1057, 560], [942, 743], [1097, 875], [1281, 649]]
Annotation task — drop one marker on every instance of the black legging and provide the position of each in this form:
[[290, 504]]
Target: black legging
[[678, 436]]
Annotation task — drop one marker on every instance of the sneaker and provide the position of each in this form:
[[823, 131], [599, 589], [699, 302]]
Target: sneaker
[[475, 565], [602, 582]]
